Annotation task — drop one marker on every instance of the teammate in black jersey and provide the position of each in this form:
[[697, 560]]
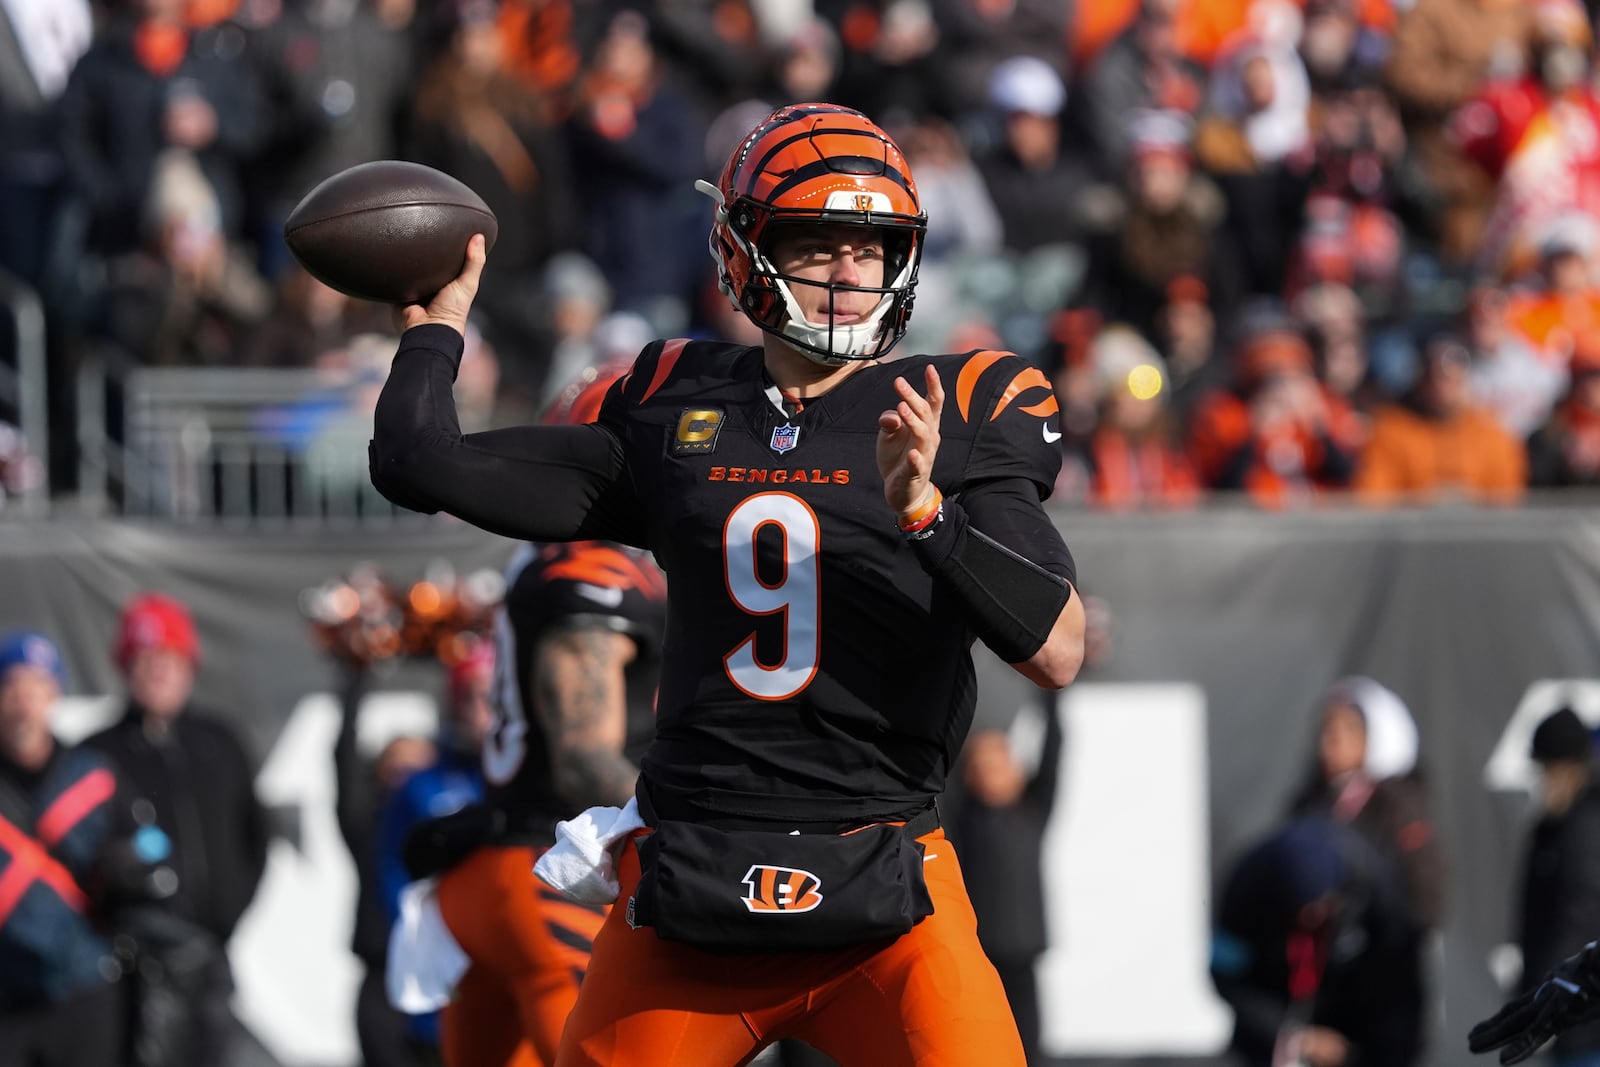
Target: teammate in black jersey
[[578, 645], [836, 530]]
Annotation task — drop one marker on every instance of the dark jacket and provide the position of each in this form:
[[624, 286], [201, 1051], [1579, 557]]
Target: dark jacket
[[1359, 974], [201, 784], [358, 800], [111, 127], [1561, 899], [1001, 849], [1397, 818], [58, 820]]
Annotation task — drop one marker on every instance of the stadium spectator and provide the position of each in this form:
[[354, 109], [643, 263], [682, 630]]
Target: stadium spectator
[[189, 296], [637, 140], [147, 85], [307, 320], [1560, 299], [1336, 328], [1316, 953], [999, 825], [1560, 898], [1565, 451], [1255, 140], [1166, 227], [1443, 51], [1034, 182], [1439, 444], [362, 791], [1339, 46], [336, 76], [1132, 461], [1141, 69], [1539, 137], [40, 41], [192, 768], [60, 1005], [807, 63], [977, 36], [1272, 433], [719, 51], [473, 119], [1186, 334], [1510, 377], [1366, 774]]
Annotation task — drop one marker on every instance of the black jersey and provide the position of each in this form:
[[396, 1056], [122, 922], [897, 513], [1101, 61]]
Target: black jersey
[[811, 673], [580, 585]]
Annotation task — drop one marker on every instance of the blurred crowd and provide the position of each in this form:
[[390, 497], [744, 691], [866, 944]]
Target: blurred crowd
[[1292, 249]]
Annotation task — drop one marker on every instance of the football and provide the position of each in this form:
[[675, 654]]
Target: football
[[389, 231]]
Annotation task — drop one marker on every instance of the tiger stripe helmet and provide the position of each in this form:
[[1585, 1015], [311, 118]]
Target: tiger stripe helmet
[[824, 164]]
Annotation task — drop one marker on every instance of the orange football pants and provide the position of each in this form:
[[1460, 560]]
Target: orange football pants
[[529, 948], [930, 999]]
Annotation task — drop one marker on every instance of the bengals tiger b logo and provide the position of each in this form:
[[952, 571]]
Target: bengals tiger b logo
[[781, 890]]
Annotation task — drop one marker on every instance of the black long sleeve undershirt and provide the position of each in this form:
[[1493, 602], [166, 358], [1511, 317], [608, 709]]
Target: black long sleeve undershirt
[[538, 483]]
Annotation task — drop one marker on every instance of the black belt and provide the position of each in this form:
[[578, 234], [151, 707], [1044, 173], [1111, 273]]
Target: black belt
[[919, 821]]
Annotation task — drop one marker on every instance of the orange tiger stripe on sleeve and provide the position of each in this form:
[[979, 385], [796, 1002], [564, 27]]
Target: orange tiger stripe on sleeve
[[1032, 378], [967, 380]]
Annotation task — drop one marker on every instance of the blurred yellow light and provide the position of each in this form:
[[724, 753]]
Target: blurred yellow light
[[1144, 381]]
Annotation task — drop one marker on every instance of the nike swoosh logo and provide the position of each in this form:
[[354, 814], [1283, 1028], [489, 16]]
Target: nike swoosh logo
[[1051, 438], [608, 595]]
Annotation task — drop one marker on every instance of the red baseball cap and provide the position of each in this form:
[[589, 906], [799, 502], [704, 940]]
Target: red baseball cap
[[153, 620]]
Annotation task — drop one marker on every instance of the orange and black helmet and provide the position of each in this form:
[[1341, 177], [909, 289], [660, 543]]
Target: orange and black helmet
[[580, 399], [819, 164]]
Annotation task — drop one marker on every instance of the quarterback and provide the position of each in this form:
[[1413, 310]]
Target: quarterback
[[836, 530]]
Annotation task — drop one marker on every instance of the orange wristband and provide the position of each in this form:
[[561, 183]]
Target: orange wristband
[[924, 515]]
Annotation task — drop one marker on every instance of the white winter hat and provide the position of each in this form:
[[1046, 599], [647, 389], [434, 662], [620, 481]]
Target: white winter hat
[[1027, 84], [1392, 741]]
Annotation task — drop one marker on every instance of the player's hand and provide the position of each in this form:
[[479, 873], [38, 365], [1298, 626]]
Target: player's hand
[[908, 441], [451, 305], [1569, 995]]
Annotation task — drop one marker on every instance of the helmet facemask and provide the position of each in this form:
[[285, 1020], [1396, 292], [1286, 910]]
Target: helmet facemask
[[871, 190]]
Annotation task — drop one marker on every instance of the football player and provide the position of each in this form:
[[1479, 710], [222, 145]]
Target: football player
[[837, 529], [578, 642]]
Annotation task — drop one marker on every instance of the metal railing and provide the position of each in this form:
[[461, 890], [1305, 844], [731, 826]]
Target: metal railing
[[240, 446], [24, 387]]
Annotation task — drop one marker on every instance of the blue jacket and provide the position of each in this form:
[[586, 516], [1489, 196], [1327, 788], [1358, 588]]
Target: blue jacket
[[54, 826], [452, 783]]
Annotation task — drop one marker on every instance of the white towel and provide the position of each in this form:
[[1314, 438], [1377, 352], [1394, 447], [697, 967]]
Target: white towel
[[425, 962], [582, 864]]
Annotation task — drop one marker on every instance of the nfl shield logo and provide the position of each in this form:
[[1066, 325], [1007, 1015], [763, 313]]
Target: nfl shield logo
[[785, 437]]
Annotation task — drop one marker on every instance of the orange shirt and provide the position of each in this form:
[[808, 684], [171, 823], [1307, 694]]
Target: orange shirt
[[1129, 476], [1551, 323], [1412, 458]]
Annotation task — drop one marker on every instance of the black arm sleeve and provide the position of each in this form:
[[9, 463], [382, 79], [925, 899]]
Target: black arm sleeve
[[1012, 582], [538, 483]]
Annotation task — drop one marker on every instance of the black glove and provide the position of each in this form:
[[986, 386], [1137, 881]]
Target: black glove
[[435, 845], [1569, 995]]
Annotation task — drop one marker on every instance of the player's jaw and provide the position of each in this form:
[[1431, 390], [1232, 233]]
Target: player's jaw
[[822, 304]]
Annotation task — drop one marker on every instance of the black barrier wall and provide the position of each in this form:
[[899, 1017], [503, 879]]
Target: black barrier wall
[[1468, 616]]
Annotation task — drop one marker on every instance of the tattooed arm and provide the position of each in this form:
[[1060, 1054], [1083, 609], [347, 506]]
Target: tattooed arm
[[581, 701]]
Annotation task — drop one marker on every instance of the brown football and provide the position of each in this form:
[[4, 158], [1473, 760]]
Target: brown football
[[389, 231]]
